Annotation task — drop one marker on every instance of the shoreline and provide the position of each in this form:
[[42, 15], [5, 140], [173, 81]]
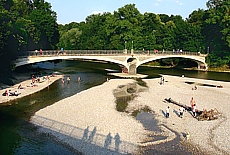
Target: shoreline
[[27, 90], [98, 103]]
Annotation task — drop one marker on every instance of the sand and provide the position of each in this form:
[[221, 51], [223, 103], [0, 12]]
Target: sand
[[90, 123]]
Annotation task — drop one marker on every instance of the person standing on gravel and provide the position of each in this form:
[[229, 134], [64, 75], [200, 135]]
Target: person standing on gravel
[[192, 102], [167, 112], [181, 112], [194, 110]]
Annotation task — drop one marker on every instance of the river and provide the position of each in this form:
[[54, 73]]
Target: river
[[18, 136]]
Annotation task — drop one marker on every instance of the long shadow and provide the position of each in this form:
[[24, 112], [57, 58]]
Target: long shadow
[[176, 112], [163, 112], [84, 140]]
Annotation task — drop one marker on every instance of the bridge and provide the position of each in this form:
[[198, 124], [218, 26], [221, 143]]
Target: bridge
[[130, 60]]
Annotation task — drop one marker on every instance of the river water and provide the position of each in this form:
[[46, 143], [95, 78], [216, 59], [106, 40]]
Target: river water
[[18, 136]]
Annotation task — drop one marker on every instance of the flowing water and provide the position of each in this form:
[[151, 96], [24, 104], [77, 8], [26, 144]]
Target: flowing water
[[18, 136]]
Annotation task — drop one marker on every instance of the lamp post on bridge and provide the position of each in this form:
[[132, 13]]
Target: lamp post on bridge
[[132, 49], [125, 48]]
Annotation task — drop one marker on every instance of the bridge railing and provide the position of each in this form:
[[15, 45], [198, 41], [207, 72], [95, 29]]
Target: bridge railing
[[71, 52], [103, 52], [168, 53]]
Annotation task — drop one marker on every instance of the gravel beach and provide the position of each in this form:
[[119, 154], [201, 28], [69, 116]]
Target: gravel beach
[[27, 90], [90, 123]]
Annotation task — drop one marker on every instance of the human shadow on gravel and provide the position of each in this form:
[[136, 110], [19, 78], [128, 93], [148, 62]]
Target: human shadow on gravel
[[163, 112], [85, 135], [83, 141], [92, 134], [108, 141], [176, 112]]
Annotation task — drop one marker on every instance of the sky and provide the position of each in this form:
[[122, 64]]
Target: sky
[[77, 10]]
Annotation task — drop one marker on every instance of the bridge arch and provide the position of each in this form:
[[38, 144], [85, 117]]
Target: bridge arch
[[129, 61], [200, 61], [31, 60]]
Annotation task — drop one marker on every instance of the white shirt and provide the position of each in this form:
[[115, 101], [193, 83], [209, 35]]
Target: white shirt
[[181, 109]]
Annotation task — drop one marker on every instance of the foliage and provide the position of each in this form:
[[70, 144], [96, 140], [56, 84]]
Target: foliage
[[31, 24], [205, 31], [25, 25]]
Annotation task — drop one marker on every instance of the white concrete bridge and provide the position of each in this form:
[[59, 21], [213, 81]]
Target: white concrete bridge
[[130, 60]]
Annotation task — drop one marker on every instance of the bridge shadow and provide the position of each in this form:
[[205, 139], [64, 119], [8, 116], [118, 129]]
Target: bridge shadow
[[84, 140]]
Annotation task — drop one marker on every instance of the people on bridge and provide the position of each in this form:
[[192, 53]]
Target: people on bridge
[[40, 51], [36, 52]]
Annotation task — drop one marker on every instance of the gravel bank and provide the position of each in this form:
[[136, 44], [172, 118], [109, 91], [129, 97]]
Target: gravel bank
[[27, 90], [89, 122], [211, 136]]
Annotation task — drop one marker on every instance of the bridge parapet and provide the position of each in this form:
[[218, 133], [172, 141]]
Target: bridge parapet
[[104, 52], [169, 53]]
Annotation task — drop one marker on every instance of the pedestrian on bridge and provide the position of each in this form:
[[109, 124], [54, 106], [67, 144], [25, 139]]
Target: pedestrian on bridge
[[40, 51]]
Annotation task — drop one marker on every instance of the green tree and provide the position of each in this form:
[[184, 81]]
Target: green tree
[[45, 21], [70, 39], [25, 25]]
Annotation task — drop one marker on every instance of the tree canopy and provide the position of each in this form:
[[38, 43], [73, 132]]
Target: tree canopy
[[32, 24], [25, 25], [205, 31]]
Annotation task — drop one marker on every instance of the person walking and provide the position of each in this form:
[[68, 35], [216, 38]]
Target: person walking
[[194, 110], [192, 102], [181, 112], [167, 112]]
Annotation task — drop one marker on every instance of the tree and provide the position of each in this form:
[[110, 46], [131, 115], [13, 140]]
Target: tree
[[45, 21], [217, 31], [25, 25], [70, 39]]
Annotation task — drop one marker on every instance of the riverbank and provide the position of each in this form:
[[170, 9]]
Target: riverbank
[[89, 122], [26, 88]]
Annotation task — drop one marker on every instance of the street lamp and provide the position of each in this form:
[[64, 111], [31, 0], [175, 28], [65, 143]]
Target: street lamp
[[154, 33], [132, 49], [125, 48], [132, 44]]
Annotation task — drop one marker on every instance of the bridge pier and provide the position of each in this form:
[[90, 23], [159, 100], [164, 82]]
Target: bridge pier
[[202, 66], [132, 69]]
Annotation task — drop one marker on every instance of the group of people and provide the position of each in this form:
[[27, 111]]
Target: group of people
[[11, 93], [40, 52], [20, 87], [68, 79], [182, 110]]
